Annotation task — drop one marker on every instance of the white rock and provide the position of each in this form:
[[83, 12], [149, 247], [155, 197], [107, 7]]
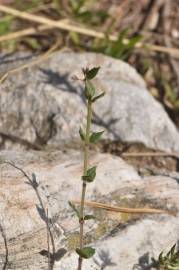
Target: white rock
[[44, 106]]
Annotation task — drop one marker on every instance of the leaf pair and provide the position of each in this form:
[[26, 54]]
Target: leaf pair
[[90, 91], [89, 87], [94, 137]]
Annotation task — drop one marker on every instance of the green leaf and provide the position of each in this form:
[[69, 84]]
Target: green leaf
[[90, 74], [87, 217], [168, 254], [133, 41], [172, 251], [90, 175], [99, 96], [86, 252], [89, 89], [5, 24], [160, 258], [74, 209], [75, 38], [82, 134], [95, 136], [33, 43]]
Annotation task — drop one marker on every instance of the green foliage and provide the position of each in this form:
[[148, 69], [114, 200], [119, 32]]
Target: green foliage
[[171, 97], [90, 175], [87, 217], [89, 90], [120, 48], [76, 5], [86, 252], [170, 261], [91, 74], [32, 43], [95, 136], [5, 25], [98, 97], [82, 134], [83, 12]]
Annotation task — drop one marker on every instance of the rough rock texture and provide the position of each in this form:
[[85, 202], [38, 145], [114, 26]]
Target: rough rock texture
[[142, 240], [121, 239], [43, 105]]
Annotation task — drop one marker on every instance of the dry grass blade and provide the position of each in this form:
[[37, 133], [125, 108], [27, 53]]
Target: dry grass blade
[[27, 32], [32, 63], [124, 209], [150, 154], [172, 51], [59, 24], [81, 30]]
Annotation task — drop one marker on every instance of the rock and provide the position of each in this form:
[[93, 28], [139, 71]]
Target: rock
[[24, 199], [22, 213], [121, 250], [138, 244], [42, 105]]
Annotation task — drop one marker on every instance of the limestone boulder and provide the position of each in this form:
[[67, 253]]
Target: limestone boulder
[[36, 188], [42, 105]]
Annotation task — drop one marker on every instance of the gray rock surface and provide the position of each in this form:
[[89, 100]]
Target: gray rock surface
[[44, 106], [143, 240], [122, 238]]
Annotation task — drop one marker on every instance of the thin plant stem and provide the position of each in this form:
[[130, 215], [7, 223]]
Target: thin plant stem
[[48, 242], [86, 149]]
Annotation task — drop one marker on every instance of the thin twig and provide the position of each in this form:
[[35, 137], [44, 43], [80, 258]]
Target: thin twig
[[35, 187], [81, 30], [27, 32]]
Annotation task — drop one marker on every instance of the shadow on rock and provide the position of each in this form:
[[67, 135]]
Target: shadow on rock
[[104, 259], [145, 263], [51, 253], [64, 83]]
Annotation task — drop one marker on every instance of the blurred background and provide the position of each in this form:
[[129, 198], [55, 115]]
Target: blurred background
[[144, 33]]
